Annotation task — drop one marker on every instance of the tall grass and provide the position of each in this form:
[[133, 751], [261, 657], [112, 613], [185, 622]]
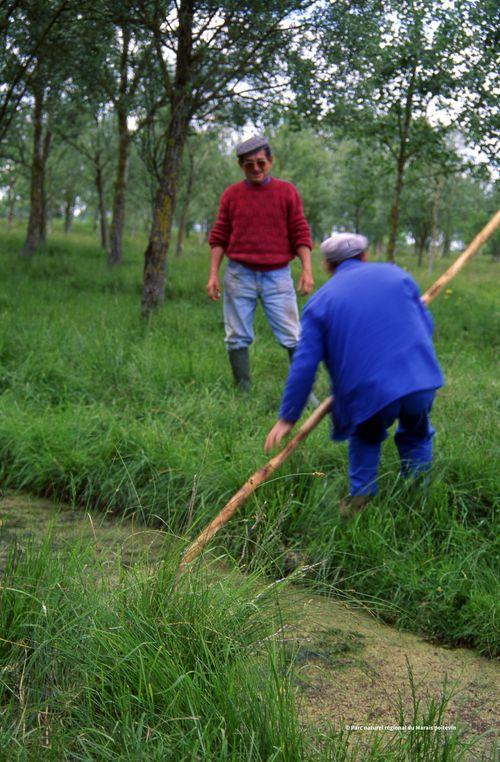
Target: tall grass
[[100, 663], [102, 409], [130, 665]]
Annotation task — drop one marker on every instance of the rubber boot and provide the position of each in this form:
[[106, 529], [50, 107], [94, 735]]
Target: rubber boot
[[312, 400], [240, 365], [351, 505]]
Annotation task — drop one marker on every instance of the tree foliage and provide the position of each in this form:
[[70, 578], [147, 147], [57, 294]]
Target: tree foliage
[[367, 105], [392, 73]]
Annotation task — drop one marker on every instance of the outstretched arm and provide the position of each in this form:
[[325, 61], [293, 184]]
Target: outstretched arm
[[307, 357]]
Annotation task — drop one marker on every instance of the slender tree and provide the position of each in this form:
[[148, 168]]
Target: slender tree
[[58, 56], [201, 153], [360, 185], [125, 66], [115, 242], [123, 75], [478, 106], [211, 55], [36, 231], [395, 71], [26, 28], [91, 135], [186, 201]]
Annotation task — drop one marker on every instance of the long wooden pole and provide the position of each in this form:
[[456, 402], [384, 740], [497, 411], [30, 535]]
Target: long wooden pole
[[251, 485], [264, 473], [457, 265]]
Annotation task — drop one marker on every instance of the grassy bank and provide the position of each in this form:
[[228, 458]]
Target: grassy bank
[[100, 662], [101, 409], [129, 666]]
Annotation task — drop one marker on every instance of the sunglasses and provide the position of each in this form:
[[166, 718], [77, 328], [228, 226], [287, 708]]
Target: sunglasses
[[258, 163]]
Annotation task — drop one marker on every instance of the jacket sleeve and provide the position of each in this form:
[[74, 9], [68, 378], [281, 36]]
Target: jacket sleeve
[[307, 357], [221, 231], [298, 227]]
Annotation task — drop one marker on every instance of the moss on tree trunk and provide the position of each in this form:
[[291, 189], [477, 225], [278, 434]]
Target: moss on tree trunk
[[155, 256]]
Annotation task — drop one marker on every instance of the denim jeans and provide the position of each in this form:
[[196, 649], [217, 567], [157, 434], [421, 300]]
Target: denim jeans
[[243, 288], [413, 439]]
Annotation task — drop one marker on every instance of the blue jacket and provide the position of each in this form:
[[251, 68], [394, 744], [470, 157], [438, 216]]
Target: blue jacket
[[370, 327]]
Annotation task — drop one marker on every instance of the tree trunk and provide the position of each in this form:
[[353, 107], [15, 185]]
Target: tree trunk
[[43, 191], [434, 223], [446, 243], [11, 204], [400, 168], [103, 226], [421, 246], [394, 215], [155, 256], [185, 209], [115, 253], [495, 248], [69, 206], [36, 199]]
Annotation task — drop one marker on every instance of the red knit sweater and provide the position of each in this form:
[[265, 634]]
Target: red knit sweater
[[261, 226]]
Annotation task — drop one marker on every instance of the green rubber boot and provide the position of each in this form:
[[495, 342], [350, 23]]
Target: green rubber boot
[[240, 365], [351, 505], [312, 400]]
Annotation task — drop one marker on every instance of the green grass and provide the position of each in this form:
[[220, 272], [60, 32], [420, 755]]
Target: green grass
[[131, 666], [100, 408], [98, 662]]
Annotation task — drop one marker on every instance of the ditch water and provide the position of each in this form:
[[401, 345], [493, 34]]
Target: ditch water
[[350, 669], [24, 519]]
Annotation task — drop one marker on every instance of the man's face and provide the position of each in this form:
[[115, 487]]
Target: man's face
[[256, 166]]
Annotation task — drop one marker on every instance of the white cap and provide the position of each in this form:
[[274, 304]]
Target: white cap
[[341, 246]]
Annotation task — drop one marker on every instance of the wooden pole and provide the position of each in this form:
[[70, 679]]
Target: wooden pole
[[310, 423], [457, 265], [255, 480]]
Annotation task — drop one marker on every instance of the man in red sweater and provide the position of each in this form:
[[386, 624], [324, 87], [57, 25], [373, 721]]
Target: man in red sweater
[[260, 227]]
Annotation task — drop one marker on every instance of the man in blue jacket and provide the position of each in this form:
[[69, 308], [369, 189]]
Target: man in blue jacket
[[373, 332]]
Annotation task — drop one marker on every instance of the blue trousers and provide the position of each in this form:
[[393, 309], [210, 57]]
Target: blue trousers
[[413, 439], [243, 288]]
